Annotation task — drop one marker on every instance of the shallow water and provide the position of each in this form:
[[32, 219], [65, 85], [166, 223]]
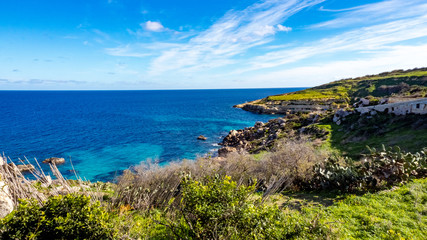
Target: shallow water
[[105, 132]]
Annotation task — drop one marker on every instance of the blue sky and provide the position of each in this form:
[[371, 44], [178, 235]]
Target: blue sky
[[192, 44]]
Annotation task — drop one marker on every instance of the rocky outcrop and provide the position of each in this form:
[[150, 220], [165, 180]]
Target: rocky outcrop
[[54, 160], [262, 136], [265, 106]]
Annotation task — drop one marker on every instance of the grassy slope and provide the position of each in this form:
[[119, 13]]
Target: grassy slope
[[346, 89], [407, 132], [400, 213]]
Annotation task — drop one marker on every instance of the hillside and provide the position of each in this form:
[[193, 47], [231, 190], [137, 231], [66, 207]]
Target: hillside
[[396, 84], [313, 112]]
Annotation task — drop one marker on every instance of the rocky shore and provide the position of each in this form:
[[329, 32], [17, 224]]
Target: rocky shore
[[262, 136]]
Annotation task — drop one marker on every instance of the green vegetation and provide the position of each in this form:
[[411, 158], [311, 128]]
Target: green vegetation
[[290, 192], [357, 132], [61, 217], [398, 83], [308, 182]]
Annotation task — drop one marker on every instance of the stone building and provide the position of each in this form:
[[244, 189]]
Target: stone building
[[418, 106]]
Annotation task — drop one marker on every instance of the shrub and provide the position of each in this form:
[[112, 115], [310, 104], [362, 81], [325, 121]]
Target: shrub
[[386, 167], [60, 217], [334, 174], [392, 166], [221, 209]]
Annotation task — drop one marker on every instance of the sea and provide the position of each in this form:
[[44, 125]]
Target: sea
[[102, 133]]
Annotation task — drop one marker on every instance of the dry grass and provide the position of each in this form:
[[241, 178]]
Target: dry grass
[[42, 187], [286, 167]]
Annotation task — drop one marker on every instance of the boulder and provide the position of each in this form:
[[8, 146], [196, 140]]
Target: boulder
[[54, 160], [224, 151], [259, 124], [6, 203], [201, 137]]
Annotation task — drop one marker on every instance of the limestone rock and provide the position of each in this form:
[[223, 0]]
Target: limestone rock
[[25, 167], [54, 160], [22, 167], [201, 137], [6, 203], [224, 151]]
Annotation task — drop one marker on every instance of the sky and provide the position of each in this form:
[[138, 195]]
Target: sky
[[209, 44]]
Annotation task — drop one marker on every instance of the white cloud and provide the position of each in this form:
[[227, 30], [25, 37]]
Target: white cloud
[[282, 28], [265, 30], [126, 51], [233, 34], [153, 26], [375, 13], [379, 37], [397, 57]]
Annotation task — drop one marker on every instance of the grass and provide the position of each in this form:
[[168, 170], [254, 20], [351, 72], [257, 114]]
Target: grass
[[312, 94], [398, 133], [380, 85], [400, 213]]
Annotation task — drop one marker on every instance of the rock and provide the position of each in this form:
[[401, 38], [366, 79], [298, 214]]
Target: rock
[[339, 115], [364, 101], [233, 133], [6, 203], [22, 167], [201, 137], [54, 160], [224, 151], [259, 124]]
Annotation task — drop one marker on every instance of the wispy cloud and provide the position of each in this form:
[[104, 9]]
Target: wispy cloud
[[397, 57], [36, 81], [375, 13], [373, 38], [338, 10], [282, 28], [140, 50], [125, 51], [231, 35]]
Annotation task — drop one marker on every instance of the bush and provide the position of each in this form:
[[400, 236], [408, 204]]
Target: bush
[[288, 166], [336, 175], [379, 168], [221, 209], [392, 166], [60, 217]]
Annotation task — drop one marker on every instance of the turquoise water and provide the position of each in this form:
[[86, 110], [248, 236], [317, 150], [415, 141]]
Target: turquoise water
[[105, 132]]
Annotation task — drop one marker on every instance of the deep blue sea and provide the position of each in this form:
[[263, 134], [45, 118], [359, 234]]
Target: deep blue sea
[[105, 132]]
